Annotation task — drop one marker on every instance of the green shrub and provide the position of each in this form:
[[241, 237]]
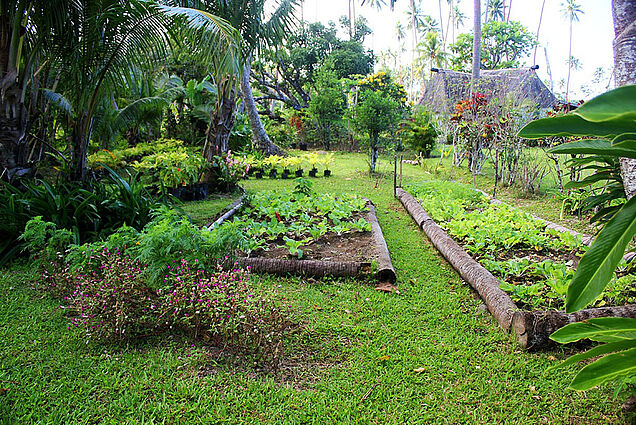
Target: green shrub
[[90, 211], [43, 239], [418, 132]]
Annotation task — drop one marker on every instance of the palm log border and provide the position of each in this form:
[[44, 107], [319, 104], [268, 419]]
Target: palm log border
[[532, 328], [316, 268]]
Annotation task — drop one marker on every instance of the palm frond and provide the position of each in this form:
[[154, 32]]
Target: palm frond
[[59, 100]]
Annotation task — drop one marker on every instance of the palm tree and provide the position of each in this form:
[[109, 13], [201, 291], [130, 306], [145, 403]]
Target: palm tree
[[496, 10], [257, 30], [26, 33], [431, 52], [476, 41], [571, 11], [534, 56], [104, 40], [415, 18]]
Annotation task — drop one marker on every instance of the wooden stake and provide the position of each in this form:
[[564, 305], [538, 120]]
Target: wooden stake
[[395, 176]]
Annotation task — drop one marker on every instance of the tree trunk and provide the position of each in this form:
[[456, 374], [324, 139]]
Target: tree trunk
[[624, 12], [13, 129], [13, 113], [534, 57], [80, 138], [374, 151], [533, 328], [476, 42], [221, 121], [315, 268], [386, 272], [567, 85], [259, 135]]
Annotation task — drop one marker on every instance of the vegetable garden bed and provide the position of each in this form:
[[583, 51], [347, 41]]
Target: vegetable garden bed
[[314, 234], [520, 266]]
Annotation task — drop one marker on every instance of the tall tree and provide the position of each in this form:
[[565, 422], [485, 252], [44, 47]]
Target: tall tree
[[414, 17], [571, 11], [258, 28], [534, 57], [431, 53], [27, 29], [624, 12], [476, 41]]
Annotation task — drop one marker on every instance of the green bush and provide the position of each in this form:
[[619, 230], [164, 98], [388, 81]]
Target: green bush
[[90, 211], [418, 132]]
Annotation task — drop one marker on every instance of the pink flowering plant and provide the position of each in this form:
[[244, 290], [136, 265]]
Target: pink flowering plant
[[109, 297], [229, 169]]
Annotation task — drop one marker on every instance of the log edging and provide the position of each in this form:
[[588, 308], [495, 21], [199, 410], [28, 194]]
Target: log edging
[[532, 328], [229, 213], [498, 302], [314, 268], [386, 272], [318, 268]]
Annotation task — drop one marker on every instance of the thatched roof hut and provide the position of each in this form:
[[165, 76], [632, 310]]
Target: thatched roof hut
[[520, 85]]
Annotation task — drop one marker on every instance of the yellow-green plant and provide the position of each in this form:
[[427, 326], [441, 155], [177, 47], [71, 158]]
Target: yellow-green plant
[[272, 161], [294, 161]]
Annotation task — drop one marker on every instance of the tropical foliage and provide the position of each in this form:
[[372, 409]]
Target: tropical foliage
[[610, 117]]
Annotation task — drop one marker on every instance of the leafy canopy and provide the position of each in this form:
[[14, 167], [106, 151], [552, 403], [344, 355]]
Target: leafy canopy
[[503, 45]]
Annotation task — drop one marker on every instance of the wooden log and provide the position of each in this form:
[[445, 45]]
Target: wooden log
[[386, 272], [498, 302], [312, 268], [413, 207], [233, 209], [533, 328]]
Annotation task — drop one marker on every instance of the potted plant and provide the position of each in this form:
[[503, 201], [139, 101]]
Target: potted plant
[[327, 160], [295, 161], [258, 168], [313, 160], [285, 163], [271, 162]]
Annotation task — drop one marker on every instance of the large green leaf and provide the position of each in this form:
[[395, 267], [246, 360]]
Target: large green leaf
[[594, 147], [611, 347], [598, 264], [596, 329], [572, 125], [605, 369], [617, 103]]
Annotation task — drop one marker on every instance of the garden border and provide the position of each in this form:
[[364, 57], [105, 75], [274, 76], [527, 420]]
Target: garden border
[[532, 328], [316, 268]]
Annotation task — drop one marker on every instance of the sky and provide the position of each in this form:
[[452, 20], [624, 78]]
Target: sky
[[591, 41]]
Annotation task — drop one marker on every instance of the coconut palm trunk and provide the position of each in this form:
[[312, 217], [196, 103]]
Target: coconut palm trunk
[[13, 113], [624, 12], [259, 136], [476, 42], [221, 121], [567, 85]]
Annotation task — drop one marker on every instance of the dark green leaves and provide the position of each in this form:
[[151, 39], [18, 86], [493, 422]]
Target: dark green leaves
[[594, 147], [620, 335], [599, 262]]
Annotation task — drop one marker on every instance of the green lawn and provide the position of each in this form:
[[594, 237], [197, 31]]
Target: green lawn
[[336, 370]]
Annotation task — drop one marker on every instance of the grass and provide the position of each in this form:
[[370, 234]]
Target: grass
[[204, 212], [337, 369]]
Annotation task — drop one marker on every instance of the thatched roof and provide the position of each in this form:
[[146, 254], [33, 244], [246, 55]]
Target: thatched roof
[[521, 85]]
